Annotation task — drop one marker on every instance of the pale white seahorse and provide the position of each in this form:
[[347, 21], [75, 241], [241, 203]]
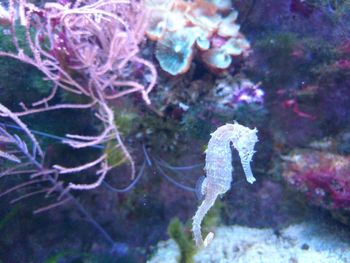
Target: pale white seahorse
[[218, 169]]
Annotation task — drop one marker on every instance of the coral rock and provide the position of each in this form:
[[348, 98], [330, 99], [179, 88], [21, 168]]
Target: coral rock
[[324, 177]]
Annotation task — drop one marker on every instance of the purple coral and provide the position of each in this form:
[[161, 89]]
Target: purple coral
[[248, 92], [233, 92]]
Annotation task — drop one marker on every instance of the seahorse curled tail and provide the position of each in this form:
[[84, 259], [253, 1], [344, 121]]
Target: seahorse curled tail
[[208, 202]]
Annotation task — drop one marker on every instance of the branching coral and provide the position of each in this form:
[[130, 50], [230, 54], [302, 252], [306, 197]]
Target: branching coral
[[89, 48], [203, 26]]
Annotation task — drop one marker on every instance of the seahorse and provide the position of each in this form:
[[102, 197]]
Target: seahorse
[[218, 169]]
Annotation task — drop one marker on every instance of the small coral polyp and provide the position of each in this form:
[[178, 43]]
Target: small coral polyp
[[175, 52], [195, 25]]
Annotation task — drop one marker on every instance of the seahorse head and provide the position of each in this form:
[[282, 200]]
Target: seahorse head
[[244, 144]]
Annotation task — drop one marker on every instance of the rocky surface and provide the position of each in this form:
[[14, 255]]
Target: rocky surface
[[300, 243]]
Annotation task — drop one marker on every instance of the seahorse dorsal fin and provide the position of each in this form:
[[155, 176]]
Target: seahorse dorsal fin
[[200, 187]]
